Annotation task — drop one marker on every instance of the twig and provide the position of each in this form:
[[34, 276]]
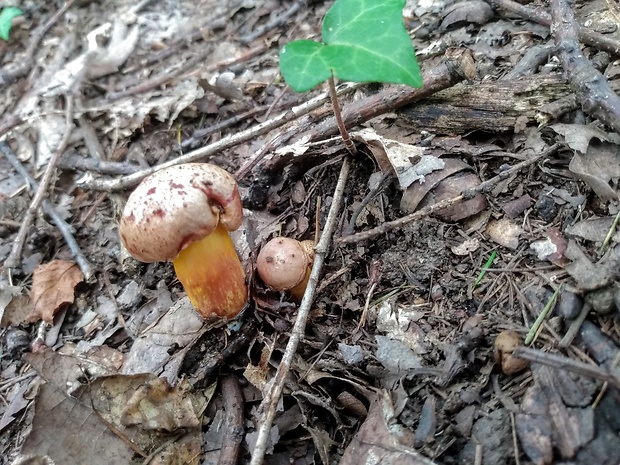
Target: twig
[[233, 405], [117, 184], [342, 127], [374, 277], [429, 210], [14, 258], [269, 404], [73, 161], [575, 326], [597, 98], [386, 178], [48, 208], [559, 361], [12, 73], [540, 16]]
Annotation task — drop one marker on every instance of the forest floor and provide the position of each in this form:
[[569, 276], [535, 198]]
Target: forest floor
[[483, 331]]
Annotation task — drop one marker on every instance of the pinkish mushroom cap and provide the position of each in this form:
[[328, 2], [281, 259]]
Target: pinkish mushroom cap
[[283, 263], [176, 206]]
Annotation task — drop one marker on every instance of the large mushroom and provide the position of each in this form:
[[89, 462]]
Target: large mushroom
[[183, 214]]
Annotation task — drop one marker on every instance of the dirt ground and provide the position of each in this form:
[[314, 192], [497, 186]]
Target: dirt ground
[[468, 315]]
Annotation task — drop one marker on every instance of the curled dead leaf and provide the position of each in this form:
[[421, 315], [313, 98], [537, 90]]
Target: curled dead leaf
[[445, 184], [53, 286]]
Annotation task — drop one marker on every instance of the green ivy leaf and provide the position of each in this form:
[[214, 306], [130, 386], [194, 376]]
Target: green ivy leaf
[[6, 16], [364, 41]]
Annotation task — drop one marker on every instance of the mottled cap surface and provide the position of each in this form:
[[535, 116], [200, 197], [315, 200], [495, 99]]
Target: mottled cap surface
[[176, 206]]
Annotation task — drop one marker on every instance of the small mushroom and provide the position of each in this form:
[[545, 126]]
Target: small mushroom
[[505, 343], [284, 265], [183, 214]]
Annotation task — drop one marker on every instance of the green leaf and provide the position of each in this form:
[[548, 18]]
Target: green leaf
[[6, 16], [364, 41]]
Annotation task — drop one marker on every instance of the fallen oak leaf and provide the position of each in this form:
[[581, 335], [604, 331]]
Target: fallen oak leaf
[[53, 286]]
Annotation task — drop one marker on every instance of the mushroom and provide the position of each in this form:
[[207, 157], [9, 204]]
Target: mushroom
[[183, 214], [284, 265]]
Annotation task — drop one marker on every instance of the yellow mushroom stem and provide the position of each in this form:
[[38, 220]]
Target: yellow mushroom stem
[[212, 275], [297, 293]]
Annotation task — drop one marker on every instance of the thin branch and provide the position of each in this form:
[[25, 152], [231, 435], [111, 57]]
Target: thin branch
[[458, 65], [124, 182], [48, 208], [560, 361], [270, 402], [429, 210], [540, 16], [14, 258], [346, 138], [597, 98], [233, 405]]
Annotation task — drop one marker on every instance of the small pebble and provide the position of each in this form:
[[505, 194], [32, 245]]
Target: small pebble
[[569, 305], [601, 300]]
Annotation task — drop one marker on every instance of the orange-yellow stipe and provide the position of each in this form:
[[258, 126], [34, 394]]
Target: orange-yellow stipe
[[212, 275]]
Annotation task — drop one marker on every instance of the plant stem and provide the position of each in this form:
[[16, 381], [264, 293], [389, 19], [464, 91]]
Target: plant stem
[[348, 143]]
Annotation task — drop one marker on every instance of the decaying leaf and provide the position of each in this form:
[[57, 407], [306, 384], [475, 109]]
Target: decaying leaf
[[111, 419], [505, 233], [471, 11], [407, 162], [445, 184], [157, 349], [15, 306], [579, 136], [53, 287], [591, 276], [593, 229], [382, 440], [599, 168]]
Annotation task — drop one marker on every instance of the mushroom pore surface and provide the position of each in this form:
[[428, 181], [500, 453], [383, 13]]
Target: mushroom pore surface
[[176, 206]]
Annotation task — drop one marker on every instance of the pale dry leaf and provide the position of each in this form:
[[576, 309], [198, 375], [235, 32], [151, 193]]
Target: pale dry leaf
[[468, 246], [505, 233], [156, 350], [68, 431], [147, 401], [53, 286], [141, 407], [578, 136], [381, 439], [407, 162], [594, 229], [599, 168]]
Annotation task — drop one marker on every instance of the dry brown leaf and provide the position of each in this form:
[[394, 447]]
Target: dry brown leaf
[[505, 233], [52, 287], [75, 427], [15, 306]]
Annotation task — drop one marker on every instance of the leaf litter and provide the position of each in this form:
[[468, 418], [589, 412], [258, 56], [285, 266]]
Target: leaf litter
[[133, 371]]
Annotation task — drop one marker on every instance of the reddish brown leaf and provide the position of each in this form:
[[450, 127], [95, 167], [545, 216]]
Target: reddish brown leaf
[[52, 287]]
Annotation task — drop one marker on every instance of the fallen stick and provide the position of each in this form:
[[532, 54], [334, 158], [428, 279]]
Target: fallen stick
[[117, 184], [14, 258], [591, 88], [540, 16], [458, 65], [269, 404], [48, 208]]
